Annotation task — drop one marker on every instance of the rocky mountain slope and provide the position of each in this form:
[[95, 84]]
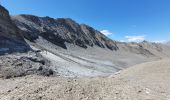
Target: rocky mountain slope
[[63, 31], [11, 39], [16, 57], [58, 31]]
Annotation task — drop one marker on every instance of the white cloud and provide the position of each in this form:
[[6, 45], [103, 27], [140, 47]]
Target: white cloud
[[106, 32], [135, 38]]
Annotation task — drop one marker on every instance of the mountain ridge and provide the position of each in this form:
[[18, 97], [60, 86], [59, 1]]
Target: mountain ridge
[[64, 30]]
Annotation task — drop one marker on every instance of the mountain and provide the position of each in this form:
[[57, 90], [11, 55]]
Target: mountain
[[11, 39], [76, 50], [62, 30]]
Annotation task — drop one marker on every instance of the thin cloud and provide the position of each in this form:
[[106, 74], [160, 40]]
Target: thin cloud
[[106, 32], [135, 38]]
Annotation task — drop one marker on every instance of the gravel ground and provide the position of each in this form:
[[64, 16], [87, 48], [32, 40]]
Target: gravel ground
[[147, 81]]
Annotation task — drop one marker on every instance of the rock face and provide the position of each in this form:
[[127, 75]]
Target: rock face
[[10, 36], [59, 31]]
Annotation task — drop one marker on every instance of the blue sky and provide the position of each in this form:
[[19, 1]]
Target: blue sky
[[124, 20]]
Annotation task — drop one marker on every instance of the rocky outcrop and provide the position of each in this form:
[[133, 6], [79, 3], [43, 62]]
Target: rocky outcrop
[[59, 31], [24, 64], [10, 36]]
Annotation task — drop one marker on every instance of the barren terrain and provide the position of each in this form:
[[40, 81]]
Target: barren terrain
[[147, 81]]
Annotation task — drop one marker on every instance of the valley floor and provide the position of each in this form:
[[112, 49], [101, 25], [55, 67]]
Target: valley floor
[[147, 81]]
